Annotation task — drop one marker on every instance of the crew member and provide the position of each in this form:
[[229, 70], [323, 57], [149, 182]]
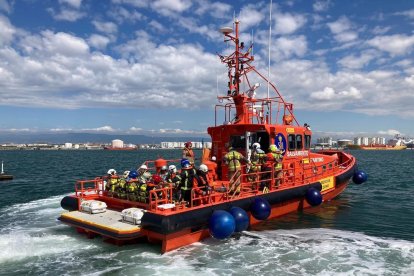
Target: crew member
[[164, 172], [175, 180], [111, 182], [143, 174], [258, 158], [203, 181], [233, 160], [274, 160], [188, 153], [187, 179]]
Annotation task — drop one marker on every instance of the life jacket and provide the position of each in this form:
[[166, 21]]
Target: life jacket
[[233, 159], [275, 160], [187, 178], [257, 160], [131, 187], [121, 184], [174, 179], [111, 183], [188, 154], [143, 192]]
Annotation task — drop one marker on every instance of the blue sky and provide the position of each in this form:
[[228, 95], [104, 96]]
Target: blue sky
[[150, 67]]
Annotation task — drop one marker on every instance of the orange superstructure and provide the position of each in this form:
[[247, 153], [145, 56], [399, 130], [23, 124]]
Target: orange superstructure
[[247, 120]]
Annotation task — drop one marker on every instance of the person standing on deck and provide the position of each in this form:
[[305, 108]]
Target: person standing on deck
[[187, 175], [233, 160], [174, 179], [257, 160], [274, 159], [188, 152]]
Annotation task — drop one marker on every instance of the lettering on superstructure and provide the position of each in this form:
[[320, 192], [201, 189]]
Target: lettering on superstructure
[[298, 153]]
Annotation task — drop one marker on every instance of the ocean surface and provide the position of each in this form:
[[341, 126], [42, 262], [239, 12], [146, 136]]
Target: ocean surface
[[368, 230]]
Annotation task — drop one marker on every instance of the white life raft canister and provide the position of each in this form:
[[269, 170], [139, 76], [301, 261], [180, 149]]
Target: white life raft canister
[[132, 215], [93, 206]]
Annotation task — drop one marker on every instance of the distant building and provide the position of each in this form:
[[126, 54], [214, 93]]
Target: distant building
[[325, 141], [344, 142], [117, 143], [179, 145], [67, 146], [366, 141]]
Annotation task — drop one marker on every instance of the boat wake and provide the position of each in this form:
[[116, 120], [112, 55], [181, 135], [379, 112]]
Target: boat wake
[[34, 242]]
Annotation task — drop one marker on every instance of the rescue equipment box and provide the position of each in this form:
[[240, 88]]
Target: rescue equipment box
[[132, 215], [93, 206]]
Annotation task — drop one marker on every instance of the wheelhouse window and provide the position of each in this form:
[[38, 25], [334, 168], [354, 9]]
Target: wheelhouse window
[[307, 141], [291, 141], [238, 141], [299, 142]]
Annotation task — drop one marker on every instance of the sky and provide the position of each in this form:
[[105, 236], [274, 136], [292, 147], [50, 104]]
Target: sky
[[151, 66]]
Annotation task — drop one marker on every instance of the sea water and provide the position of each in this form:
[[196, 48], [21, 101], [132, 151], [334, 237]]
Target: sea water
[[368, 230]]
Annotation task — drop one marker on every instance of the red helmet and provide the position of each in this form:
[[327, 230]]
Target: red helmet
[[187, 144], [156, 179]]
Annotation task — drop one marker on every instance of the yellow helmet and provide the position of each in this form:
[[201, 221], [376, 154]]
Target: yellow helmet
[[273, 148]]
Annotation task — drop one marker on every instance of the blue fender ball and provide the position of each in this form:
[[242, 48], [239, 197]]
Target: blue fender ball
[[313, 197], [241, 218], [359, 177], [260, 209], [221, 224]]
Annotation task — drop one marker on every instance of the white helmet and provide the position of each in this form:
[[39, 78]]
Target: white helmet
[[111, 171], [256, 145], [203, 168], [164, 168], [143, 167], [172, 168], [125, 174]]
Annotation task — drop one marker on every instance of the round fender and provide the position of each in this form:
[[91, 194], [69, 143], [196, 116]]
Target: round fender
[[313, 197], [241, 218], [260, 209], [69, 203], [221, 224], [359, 177]]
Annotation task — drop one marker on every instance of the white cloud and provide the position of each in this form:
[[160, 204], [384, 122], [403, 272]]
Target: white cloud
[[68, 15], [5, 6], [408, 13], [250, 17], [98, 41], [135, 3], [320, 6], [7, 31], [342, 30], [168, 7], [72, 3], [390, 132], [288, 23], [410, 80], [394, 44], [100, 129], [329, 93], [357, 62], [105, 27], [135, 129], [287, 47], [378, 30], [121, 14], [157, 26]]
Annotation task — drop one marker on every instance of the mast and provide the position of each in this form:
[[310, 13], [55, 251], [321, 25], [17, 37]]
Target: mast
[[245, 103], [270, 41]]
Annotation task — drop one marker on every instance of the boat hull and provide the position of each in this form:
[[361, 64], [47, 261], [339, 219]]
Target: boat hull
[[174, 230]]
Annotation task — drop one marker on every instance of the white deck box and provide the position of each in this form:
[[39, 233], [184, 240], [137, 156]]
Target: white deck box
[[132, 215], [93, 206]]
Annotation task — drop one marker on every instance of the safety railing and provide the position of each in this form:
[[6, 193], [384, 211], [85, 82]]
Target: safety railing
[[84, 188]]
